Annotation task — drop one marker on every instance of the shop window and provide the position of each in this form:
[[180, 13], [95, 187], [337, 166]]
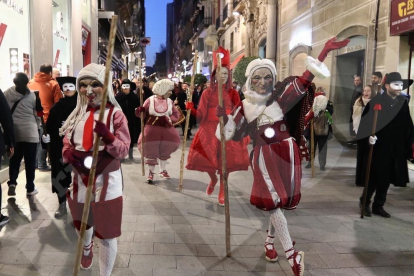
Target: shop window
[[61, 37]]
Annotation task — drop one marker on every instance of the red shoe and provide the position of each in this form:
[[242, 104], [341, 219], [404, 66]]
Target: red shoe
[[210, 187], [271, 254], [297, 268], [150, 177], [221, 194], [164, 174], [86, 261]]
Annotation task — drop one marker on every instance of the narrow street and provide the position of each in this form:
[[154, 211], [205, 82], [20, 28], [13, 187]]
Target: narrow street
[[165, 232]]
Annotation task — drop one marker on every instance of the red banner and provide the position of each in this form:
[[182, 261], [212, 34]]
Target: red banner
[[3, 28], [56, 58], [402, 17]]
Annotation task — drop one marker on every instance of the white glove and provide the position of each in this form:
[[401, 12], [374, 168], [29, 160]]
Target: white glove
[[46, 138], [372, 140]]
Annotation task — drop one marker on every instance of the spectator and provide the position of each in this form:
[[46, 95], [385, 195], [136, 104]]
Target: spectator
[[180, 101], [50, 93], [129, 101], [362, 149], [357, 93], [22, 103], [55, 73], [197, 95], [6, 139], [321, 112], [376, 81], [117, 86]]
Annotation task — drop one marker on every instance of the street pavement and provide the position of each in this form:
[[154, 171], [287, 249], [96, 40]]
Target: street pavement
[[165, 232]]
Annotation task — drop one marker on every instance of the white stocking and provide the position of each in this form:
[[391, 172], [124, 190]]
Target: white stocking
[[107, 255], [163, 165], [151, 168], [87, 239], [271, 233], [279, 223]]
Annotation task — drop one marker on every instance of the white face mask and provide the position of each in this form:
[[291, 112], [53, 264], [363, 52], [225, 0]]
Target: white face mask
[[126, 86], [68, 87], [397, 85]]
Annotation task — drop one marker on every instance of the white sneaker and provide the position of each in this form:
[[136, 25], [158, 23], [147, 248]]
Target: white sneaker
[[35, 191]]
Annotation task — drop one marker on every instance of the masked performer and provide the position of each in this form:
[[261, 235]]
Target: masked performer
[[79, 130], [205, 151], [129, 101], [61, 172], [161, 138], [276, 160]]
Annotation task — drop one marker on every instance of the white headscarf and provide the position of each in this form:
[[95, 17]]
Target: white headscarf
[[251, 95], [94, 71], [162, 87]]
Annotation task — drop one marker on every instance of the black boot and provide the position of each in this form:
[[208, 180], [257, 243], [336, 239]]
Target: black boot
[[367, 211], [379, 211], [61, 211]]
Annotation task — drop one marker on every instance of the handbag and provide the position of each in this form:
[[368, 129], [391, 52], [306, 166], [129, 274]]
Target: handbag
[[182, 116], [321, 125]]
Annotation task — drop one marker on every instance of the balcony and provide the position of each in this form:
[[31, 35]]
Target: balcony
[[204, 23], [227, 17], [238, 6], [219, 25]]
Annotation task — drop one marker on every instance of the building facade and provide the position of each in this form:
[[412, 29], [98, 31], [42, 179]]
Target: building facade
[[48, 32]]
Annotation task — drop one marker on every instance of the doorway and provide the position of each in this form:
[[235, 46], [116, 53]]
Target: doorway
[[349, 65]]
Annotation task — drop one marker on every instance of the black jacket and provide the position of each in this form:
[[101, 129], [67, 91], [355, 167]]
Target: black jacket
[[395, 135], [61, 172], [128, 104], [6, 121], [196, 98]]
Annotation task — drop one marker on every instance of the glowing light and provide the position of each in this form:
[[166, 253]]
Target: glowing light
[[302, 38], [13, 52], [88, 162], [269, 132]]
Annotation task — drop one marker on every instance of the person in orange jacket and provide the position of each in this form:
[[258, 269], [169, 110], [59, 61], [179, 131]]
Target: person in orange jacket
[[49, 94]]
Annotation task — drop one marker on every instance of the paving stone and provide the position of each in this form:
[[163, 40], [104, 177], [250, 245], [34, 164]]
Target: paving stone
[[175, 272], [194, 238], [199, 263], [24, 270], [175, 249], [215, 250], [154, 237], [135, 248], [149, 261], [334, 272], [17, 257]]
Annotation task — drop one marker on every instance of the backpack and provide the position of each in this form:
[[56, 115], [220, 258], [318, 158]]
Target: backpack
[[321, 124]]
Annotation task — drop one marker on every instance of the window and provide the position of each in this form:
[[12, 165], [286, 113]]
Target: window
[[231, 42]]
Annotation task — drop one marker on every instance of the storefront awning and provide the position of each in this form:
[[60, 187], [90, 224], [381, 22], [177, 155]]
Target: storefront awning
[[236, 60]]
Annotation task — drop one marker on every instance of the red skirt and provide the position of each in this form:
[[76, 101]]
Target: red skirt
[[205, 151], [277, 175]]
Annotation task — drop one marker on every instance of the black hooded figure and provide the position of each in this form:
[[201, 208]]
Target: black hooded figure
[[61, 172], [129, 101], [393, 142]]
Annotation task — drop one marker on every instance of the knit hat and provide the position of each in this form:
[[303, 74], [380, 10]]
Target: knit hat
[[162, 87]]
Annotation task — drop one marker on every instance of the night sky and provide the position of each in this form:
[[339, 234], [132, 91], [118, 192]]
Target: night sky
[[156, 21]]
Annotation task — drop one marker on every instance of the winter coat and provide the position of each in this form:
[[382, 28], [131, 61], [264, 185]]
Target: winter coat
[[61, 174], [49, 91], [6, 122], [128, 104], [395, 135], [24, 116]]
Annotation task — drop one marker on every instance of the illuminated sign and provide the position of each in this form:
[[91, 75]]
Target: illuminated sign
[[402, 16]]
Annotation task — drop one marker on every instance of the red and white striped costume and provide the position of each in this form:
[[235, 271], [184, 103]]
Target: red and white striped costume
[[275, 158]]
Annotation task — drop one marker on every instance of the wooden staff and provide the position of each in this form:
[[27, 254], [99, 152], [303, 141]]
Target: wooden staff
[[377, 107], [92, 172], [312, 144], [223, 157], [141, 101], [187, 122]]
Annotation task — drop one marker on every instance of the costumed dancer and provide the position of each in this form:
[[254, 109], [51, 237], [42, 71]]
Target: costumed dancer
[[205, 150], [79, 130], [129, 101], [161, 137], [275, 159], [61, 172]]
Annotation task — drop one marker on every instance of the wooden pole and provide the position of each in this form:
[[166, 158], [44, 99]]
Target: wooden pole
[[92, 172], [141, 101], [312, 144], [223, 158], [371, 150], [187, 122]]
